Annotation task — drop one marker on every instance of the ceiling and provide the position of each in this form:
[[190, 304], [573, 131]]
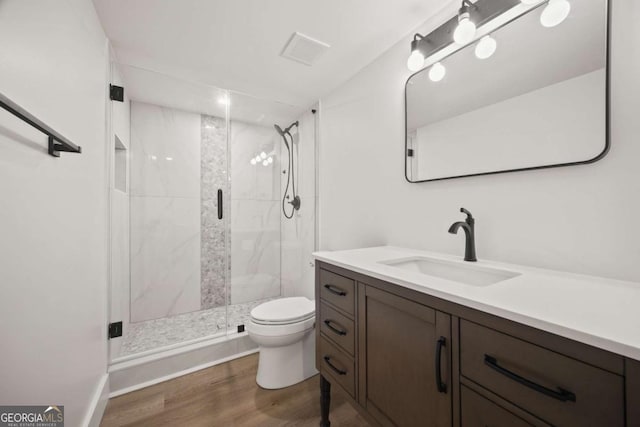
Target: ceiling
[[237, 44], [167, 91]]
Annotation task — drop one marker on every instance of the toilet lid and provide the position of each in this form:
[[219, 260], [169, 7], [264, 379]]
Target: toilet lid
[[284, 310]]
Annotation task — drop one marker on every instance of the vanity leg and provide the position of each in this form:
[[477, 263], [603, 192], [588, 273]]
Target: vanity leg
[[325, 401]]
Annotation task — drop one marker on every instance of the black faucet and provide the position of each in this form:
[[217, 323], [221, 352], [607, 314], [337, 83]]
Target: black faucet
[[469, 231]]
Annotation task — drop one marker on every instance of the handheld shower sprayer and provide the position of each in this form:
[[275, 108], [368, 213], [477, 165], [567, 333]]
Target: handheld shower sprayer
[[295, 202]]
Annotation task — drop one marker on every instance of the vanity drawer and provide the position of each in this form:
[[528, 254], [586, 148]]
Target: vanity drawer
[[337, 327], [478, 411], [554, 387], [337, 365], [337, 290]]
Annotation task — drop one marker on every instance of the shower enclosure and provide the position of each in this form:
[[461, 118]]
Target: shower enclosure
[[198, 234]]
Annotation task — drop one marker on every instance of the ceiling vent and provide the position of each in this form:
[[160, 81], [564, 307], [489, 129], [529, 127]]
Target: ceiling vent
[[304, 49]]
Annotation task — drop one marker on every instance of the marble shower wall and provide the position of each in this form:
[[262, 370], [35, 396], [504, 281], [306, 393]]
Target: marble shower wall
[[165, 212], [298, 233], [214, 176], [255, 214], [179, 257]]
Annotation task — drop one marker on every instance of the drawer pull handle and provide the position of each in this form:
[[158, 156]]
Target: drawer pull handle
[[327, 359], [562, 394], [340, 331], [335, 290], [440, 385]]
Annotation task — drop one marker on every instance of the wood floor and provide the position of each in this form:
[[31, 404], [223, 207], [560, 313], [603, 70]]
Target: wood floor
[[226, 395]]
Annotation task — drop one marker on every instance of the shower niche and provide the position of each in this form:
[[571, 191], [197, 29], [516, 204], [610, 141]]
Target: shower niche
[[200, 237]]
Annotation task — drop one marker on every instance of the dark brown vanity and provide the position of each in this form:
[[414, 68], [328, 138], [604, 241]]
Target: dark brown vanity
[[407, 358]]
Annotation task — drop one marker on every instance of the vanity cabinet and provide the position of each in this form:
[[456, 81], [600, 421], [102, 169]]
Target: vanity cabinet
[[406, 358]]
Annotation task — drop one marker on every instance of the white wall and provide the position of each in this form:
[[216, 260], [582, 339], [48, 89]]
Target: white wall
[[581, 219], [53, 220]]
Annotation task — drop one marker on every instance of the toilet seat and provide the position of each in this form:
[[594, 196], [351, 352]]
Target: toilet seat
[[282, 331], [283, 311]]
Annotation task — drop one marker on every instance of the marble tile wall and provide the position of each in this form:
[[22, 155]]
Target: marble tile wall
[[179, 256], [213, 245], [255, 214], [165, 212], [298, 233]]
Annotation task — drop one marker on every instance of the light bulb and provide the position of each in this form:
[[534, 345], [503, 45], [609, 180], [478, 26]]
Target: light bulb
[[270, 160], [555, 12], [465, 31], [415, 61], [258, 159], [437, 72], [265, 163], [253, 161], [263, 155], [486, 47]]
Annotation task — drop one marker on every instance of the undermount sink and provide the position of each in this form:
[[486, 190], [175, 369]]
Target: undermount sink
[[469, 274]]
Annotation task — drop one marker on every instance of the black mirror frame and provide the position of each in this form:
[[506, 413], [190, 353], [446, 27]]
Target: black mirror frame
[[604, 152]]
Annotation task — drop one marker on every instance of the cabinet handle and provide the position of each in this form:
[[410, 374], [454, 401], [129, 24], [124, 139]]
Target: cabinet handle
[[562, 394], [335, 290], [327, 359], [220, 210], [441, 386], [340, 331]]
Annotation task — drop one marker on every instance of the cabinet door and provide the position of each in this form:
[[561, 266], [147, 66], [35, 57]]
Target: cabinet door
[[405, 355]]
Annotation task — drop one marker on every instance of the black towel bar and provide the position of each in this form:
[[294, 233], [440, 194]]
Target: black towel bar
[[57, 142]]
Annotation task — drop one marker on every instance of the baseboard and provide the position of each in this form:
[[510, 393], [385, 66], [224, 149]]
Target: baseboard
[[98, 403], [132, 375]]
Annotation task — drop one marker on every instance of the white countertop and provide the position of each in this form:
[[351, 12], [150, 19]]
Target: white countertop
[[604, 313]]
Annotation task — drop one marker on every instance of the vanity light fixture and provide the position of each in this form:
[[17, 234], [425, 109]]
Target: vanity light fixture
[[416, 59], [432, 47], [437, 72], [486, 47], [466, 29], [555, 12]]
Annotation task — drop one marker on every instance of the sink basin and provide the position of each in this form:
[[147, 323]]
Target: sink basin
[[467, 273]]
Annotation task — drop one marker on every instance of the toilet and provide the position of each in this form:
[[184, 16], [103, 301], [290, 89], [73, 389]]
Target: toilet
[[284, 330]]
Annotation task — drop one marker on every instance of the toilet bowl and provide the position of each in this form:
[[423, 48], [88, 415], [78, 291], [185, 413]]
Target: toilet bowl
[[283, 329]]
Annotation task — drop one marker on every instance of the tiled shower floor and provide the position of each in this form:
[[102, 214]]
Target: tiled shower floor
[[152, 334]]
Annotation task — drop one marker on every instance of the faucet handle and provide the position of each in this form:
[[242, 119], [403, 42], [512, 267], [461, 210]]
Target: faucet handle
[[469, 216]]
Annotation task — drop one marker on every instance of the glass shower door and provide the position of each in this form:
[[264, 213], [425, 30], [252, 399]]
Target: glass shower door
[[170, 260]]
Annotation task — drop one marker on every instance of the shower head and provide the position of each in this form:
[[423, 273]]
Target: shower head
[[279, 130], [282, 134]]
